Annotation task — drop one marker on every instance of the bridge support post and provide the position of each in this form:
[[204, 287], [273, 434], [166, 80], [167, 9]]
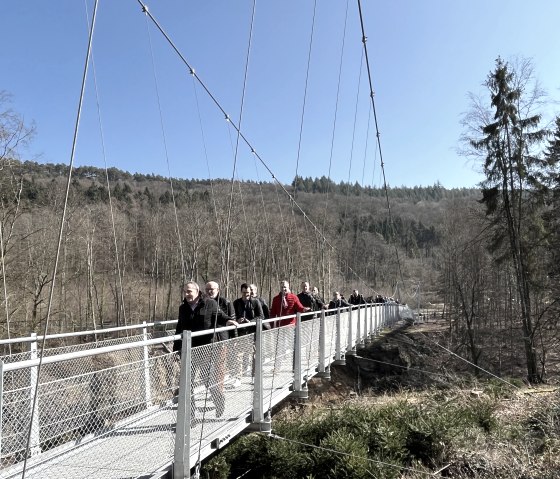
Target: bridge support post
[[369, 326], [260, 423], [34, 444], [339, 359], [324, 372], [299, 391], [182, 458], [360, 340], [372, 321], [350, 349], [147, 380]]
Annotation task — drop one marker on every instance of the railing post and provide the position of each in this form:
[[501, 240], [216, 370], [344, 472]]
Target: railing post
[[147, 380], [324, 371], [299, 390], [359, 343], [350, 349], [384, 316], [338, 359], [371, 332], [366, 325], [260, 423], [182, 464], [35, 441]]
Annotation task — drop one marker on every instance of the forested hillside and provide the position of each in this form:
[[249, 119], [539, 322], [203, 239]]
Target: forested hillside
[[148, 227]]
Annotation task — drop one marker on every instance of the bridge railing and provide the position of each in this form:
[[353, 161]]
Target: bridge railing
[[99, 338], [88, 397]]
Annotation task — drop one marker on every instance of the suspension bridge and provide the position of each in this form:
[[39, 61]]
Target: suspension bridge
[[118, 403], [128, 407]]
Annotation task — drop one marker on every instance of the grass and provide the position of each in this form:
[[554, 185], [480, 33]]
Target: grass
[[403, 435]]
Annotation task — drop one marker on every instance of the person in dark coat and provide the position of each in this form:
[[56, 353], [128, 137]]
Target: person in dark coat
[[338, 301], [309, 300], [199, 313], [264, 305], [306, 298], [226, 306], [357, 298], [247, 308], [318, 298]]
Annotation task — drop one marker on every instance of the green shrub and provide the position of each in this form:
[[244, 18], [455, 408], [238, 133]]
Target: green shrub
[[349, 460]]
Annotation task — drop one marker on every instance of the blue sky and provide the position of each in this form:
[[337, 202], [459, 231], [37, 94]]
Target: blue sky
[[425, 56]]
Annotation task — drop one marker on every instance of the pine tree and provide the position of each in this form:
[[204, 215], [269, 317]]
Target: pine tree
[[512, 177]]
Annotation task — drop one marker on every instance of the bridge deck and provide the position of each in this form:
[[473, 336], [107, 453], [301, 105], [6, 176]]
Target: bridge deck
[[141, 446]]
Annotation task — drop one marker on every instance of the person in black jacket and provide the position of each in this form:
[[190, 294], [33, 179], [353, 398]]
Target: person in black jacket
[[337, 301], [226, 306], [309, 300], [198, 313], [357, 298], [264, 305], [247, 308]]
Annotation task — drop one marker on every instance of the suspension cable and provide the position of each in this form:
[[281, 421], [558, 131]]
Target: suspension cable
[[267, 225], [335, 114], [366, 150], [377, 134], [352, 145], [60, 233], [245, 75], [103, 151], [304, 96], [5, 286], [342, 453], [205, 149], [164, 139], [304, 102]]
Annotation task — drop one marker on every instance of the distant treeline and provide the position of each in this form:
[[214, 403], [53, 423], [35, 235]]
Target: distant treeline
[[90, 183], [435, 192]]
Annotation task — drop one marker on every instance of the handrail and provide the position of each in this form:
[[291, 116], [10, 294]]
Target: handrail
[[122, 347], [29, 339]]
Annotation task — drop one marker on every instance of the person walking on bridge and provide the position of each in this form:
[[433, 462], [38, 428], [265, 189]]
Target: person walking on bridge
[[357, 298], [286, 303], [199, 313], [337, 301], [307, 299], [264, 304]]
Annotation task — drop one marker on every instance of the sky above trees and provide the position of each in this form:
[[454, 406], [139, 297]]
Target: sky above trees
[[143, 112]]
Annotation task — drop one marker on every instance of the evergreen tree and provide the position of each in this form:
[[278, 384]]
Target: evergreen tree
[[512, 175]]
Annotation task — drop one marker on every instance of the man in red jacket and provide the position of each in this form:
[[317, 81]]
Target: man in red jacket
[[286, 303]]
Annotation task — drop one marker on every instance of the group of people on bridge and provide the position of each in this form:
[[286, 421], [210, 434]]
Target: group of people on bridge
[[210, 310]]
